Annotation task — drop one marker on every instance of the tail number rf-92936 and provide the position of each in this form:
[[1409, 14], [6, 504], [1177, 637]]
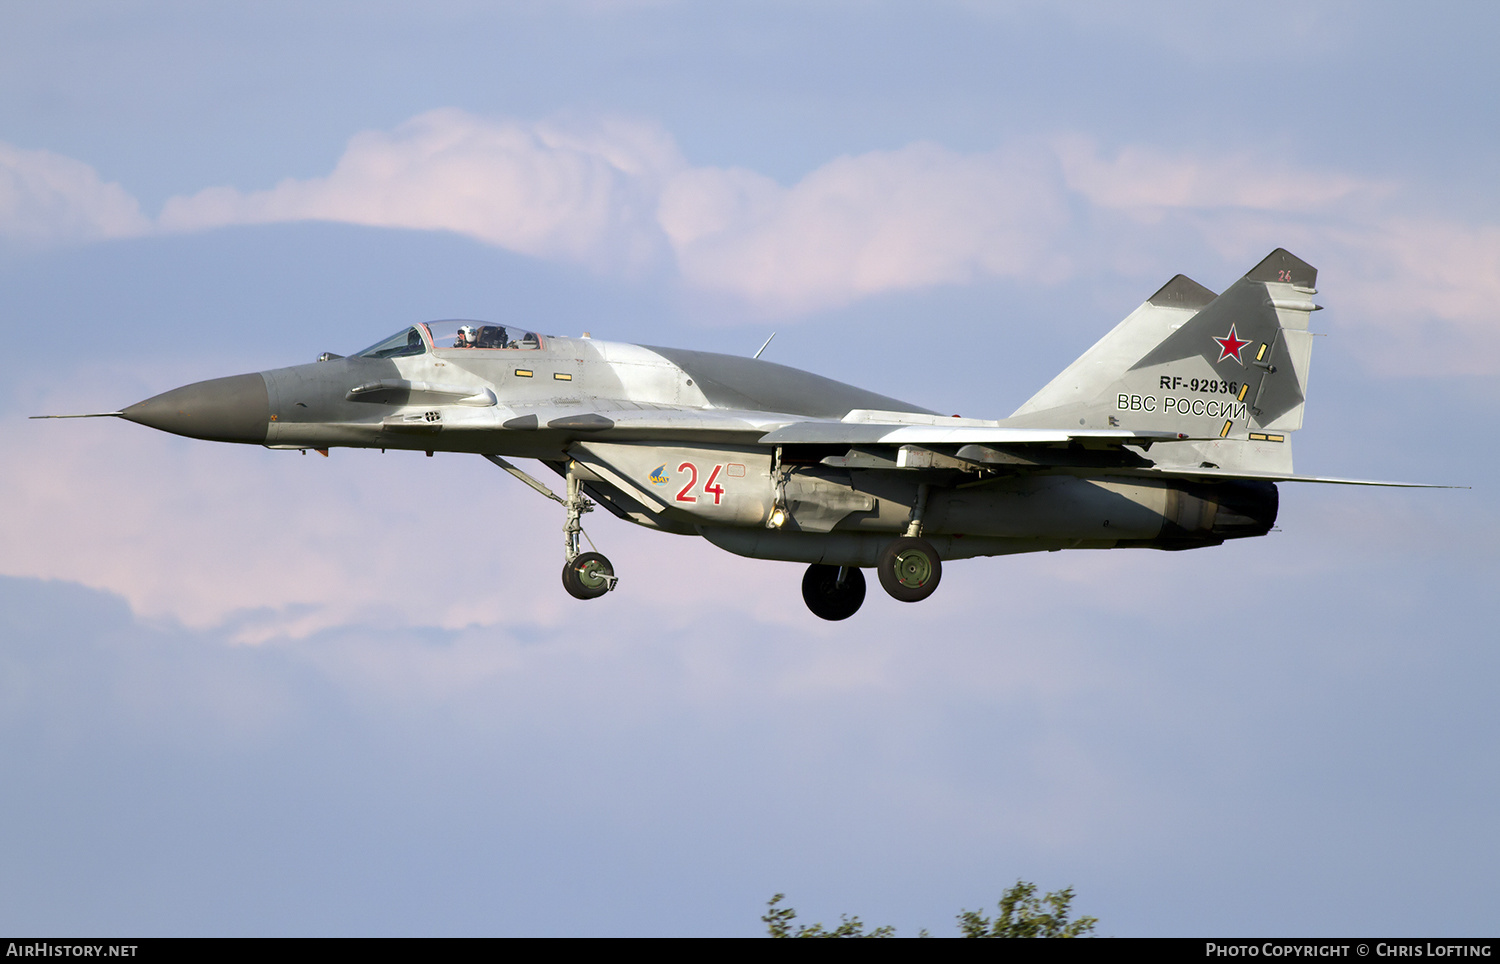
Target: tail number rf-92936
[[1208, 386]]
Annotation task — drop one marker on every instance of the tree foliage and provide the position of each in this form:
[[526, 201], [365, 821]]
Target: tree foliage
[[1022, 914], [779, 922]]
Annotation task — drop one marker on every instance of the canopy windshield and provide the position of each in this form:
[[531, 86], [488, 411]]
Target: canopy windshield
[[406, 342]]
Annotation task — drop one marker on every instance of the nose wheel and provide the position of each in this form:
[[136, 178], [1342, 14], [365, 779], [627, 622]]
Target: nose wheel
[[909, 569], [833, 592], [588, 576]]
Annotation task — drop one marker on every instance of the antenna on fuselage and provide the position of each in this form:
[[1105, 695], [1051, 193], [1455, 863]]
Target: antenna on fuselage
[[763, 347]]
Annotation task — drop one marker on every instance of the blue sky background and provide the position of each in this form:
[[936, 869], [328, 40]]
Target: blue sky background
[[245, 691]]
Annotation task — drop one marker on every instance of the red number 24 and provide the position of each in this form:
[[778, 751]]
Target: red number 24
[[712, 487]]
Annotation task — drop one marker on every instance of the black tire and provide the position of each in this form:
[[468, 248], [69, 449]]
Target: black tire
[[826, 598], [909, 569], [584, 577]]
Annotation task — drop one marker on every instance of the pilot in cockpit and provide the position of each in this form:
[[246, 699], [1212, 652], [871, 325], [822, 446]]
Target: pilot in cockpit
[[465, 337], [492, 336]]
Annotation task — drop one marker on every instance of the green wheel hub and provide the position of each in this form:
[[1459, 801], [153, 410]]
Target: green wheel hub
[[591, 574], [913, 568], [588, 576], [909, 568]]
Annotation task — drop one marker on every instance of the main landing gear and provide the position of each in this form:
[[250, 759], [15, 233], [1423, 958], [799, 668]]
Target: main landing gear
[[833, 592], [909, 569], [585, 575]]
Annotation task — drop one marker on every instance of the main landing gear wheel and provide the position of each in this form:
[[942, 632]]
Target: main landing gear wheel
[[827, 596], [909, 569], [588, 576]]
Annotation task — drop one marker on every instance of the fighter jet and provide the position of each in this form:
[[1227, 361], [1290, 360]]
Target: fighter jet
[[1169, 433]]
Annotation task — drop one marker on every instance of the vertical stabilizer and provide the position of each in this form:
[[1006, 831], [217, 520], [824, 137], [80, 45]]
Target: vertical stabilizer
[[1230, 373], [1144, 328]]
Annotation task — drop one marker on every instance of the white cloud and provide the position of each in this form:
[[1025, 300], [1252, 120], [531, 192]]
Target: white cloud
[[576, 193], [1146, 180], [618, 196], [883, 221], [47, 198], [1430, 287]]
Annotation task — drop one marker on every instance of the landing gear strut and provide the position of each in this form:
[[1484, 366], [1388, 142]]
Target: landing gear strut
[[585, 575], [909, 567], [833, 592]]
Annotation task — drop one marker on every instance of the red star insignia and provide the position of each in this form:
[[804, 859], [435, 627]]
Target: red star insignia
[[1230, 346]]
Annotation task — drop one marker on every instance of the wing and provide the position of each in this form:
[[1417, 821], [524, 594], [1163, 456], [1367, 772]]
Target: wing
[[920, 442], [916, 442], [622, 422], [947, 450]]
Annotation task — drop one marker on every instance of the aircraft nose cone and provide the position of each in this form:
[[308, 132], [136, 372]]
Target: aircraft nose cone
[[234, 409]]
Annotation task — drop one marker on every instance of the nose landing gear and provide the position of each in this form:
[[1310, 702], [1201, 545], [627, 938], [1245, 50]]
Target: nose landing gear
[[585, 575]]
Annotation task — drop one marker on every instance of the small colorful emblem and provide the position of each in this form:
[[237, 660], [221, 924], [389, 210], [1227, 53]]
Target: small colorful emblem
[[659, 475], [1231, 345]]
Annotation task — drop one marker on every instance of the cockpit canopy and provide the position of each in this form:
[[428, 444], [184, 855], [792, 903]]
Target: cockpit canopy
[[461, 333], [453, 334], [408, 342]]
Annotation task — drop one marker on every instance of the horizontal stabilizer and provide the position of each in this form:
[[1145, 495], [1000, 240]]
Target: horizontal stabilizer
[[1273, 477], [844, 433]]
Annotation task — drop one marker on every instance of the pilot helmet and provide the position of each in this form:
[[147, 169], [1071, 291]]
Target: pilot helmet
[[466, 334]]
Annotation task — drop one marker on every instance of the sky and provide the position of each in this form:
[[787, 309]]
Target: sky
[[263, 693]]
